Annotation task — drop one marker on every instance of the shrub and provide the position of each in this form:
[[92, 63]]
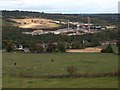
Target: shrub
[[61, 47], [38, 48], [9, 47], [108, 49], [71, 70], [118, 45], [50, 48]]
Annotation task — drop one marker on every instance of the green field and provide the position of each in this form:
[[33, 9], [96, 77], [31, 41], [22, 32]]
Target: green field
[[103, 82], [41, 64]]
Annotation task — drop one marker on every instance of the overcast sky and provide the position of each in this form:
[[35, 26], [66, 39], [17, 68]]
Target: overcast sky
[[62, 6]]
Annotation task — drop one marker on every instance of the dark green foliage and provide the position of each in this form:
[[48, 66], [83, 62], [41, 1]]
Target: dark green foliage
[[9, 46], [15, 34], [106, 35], [4, 44], [108, 49], [118, 45], [32, 47], [77, 45], [61, 47], [96, 18], [50, 48], [38, 48], [10, 32]]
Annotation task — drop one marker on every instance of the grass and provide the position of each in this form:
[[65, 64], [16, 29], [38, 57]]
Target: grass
[[40, 64], [103, 82]]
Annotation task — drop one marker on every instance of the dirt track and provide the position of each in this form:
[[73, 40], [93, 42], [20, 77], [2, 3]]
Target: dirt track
[[86, 50]]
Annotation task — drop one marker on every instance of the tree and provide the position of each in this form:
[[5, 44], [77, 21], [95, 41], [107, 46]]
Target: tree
[[118, 45], [75, 45], [50, 48], [4, 44], [71, 70], [9, 46], [61, 47], [38, 48], [108, 49], [32, 47]]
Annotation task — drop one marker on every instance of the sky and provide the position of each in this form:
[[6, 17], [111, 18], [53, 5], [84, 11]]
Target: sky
[[62, 6]]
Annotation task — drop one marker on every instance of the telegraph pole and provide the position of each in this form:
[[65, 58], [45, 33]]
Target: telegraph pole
[[68, 25], [89, 24]]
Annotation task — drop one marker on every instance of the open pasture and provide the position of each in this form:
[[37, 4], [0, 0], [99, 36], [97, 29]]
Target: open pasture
[[42, 64]]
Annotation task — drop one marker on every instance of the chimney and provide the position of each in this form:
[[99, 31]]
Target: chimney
[[89, 24], [68, 25]]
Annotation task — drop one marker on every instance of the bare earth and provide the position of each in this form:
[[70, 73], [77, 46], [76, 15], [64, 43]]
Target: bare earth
[[86, 50], [35, 23]]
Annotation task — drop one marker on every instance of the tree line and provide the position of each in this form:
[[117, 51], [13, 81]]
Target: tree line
[[15, 36], [101, 19]]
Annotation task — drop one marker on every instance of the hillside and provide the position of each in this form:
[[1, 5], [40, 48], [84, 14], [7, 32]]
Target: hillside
[[34, 23], [47, 60], [101, 19], [30, 21]]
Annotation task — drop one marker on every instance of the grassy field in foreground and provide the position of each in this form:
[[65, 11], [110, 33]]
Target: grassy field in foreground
[[103, 82], [40, 64]]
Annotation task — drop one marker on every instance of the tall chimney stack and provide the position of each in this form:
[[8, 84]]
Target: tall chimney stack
[[89, 24], [68, 25]]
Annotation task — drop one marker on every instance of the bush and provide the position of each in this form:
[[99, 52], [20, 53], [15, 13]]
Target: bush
[[9, 47], [71, 70], [108, 49], [118, 45], [38, 48], [50, 48], [61, 47], [75, 45]]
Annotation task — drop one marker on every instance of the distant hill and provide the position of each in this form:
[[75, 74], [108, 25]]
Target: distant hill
[[14, 34], [101, 19], [109, 18]]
